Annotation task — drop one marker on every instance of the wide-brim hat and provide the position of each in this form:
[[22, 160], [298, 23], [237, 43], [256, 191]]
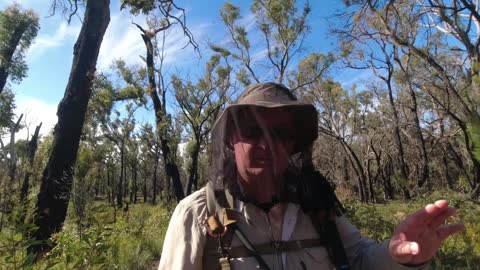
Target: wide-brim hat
[[274, 95]]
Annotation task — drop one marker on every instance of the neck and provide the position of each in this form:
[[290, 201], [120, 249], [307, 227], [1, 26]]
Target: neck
[[261, 191]]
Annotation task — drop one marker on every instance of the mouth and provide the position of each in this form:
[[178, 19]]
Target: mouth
[[263, 160]]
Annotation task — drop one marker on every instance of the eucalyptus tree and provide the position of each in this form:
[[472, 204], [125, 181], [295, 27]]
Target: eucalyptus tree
[[168, 16], [18, 29], [57, 177], [335, 107], [7, 107], [281, 26], [416, 27], [31, 151], [120, 132], [150, 160], [200, 104], [383, 68]]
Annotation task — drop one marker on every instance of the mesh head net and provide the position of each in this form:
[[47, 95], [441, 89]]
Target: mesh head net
[[261, 142]]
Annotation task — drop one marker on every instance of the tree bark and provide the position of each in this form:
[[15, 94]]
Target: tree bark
[[154, 183], [120, 183], [57, 177], [144, 188], [171, 168], [12, 165], [193, 170], [32, 149]]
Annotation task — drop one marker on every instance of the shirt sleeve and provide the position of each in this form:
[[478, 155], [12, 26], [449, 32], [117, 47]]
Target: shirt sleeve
[[364, 253], [184, 241]]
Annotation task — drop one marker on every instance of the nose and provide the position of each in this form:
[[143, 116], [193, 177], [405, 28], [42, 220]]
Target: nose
[[264, 140]]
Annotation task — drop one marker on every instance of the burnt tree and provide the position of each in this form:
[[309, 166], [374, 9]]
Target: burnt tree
[[171, 168], [57, 177]]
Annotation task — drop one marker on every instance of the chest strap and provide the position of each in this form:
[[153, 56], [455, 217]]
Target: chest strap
[[273, 248]]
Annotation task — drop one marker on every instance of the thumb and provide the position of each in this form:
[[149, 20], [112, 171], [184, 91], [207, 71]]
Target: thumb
[[403, 251]]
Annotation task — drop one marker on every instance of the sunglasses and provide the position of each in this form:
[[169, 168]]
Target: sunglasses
[[278, 134]]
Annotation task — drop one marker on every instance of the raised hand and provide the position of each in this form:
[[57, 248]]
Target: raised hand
[[417, 238]]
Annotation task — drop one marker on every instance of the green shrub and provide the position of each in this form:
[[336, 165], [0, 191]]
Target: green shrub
[[461, 251], [88, 251]]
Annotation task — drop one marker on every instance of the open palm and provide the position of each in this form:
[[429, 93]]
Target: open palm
[[417, 238]]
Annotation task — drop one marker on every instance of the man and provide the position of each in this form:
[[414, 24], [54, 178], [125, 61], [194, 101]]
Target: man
[[265, 206]]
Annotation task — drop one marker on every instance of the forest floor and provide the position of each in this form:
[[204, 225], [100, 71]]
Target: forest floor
[[133, 240]]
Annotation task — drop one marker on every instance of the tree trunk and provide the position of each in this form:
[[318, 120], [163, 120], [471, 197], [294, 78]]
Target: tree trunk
[[171, 168], [399, 143], [193, 170], [425, 176], [358, 169], [154, 183], [31, 149], [11, 47], [145, 199], [371, 193], [387, 181], [57, 177], [133, 198], [120, 183], [446, 171], [12, 165], [109, 184]]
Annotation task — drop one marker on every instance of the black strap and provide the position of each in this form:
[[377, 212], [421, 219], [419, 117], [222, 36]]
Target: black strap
[[335, 248], [249, 246], [272, 248]]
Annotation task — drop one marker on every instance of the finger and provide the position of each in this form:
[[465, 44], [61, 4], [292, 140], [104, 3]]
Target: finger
[[442, 217], [441, 203], [445, 231], [404, 251], [426, 214]]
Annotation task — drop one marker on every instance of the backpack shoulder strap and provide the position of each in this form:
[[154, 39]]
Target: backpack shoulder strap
[[219, 227]]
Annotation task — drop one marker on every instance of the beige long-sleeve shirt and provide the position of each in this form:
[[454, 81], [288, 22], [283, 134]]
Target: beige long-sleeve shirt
[[186, 238]]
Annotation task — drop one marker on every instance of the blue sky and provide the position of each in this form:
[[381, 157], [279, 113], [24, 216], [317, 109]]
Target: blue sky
[[50, 57]]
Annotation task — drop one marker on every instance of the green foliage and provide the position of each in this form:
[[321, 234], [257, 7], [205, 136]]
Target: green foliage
[[474, 131], [18, 29], [139, 6], [371, 222], [134, 241], [229, 13], [280, 21], [461, 251], [82, 192], [7, 107], [88, 251], [14, 241]]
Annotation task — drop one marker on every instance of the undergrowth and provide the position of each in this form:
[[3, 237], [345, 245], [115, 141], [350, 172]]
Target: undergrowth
[[133, 239], [461, 251]]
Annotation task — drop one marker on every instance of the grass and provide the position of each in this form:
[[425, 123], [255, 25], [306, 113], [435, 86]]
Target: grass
[[134, 239], [461, 251], [122, 240]]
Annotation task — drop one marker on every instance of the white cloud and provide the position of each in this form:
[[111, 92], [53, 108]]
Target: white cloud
[[63, 33], [35, 111], [355, 77], [248, 22], [123, 41]]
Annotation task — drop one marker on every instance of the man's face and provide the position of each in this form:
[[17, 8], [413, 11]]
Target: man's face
[[262, 141]]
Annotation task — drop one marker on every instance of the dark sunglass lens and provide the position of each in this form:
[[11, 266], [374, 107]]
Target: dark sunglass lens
[[251, 133], [284, 134]]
